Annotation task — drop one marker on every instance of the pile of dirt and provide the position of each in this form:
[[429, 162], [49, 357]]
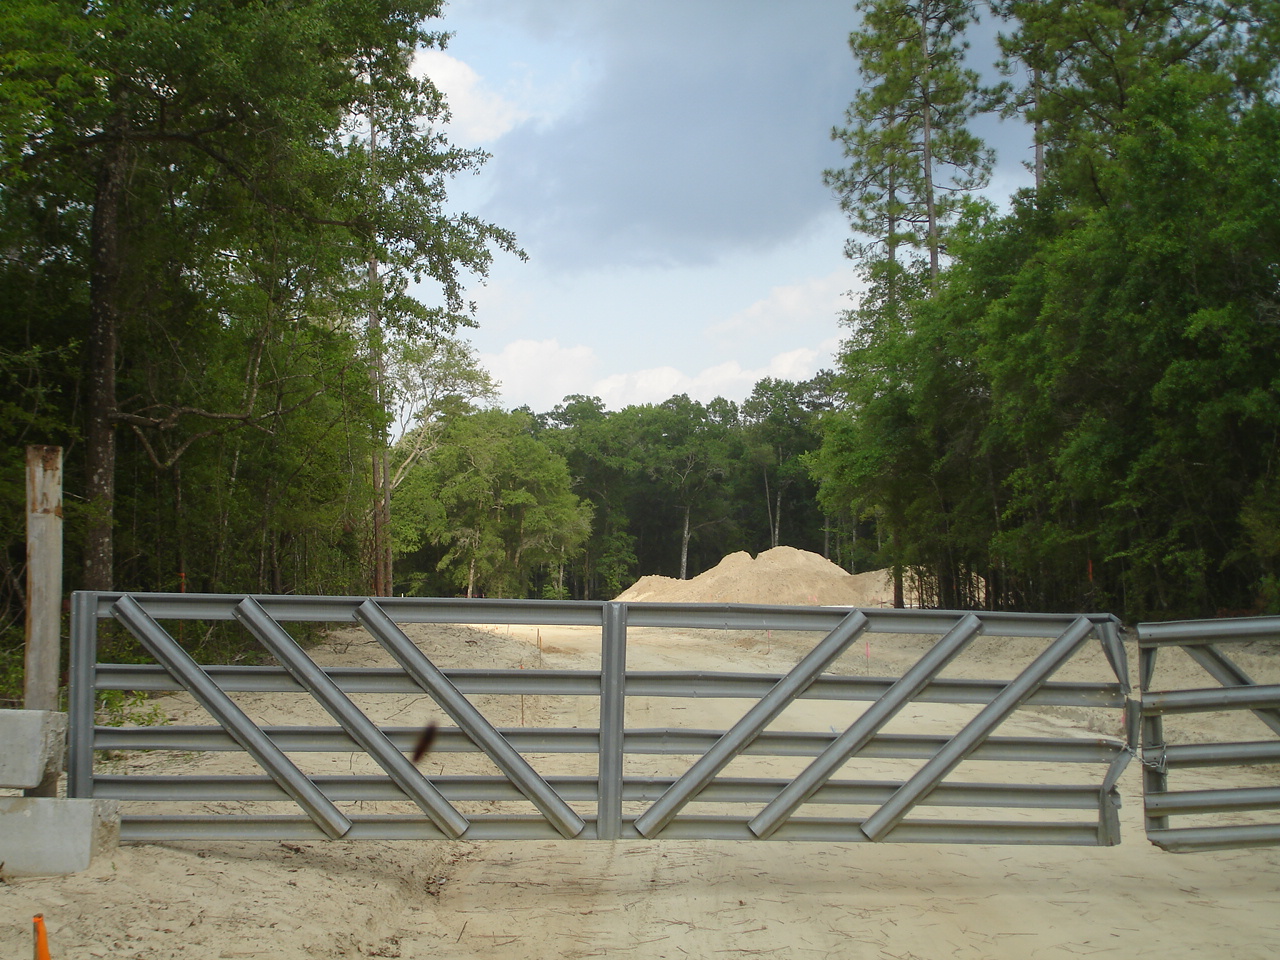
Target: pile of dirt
[[783, 575]]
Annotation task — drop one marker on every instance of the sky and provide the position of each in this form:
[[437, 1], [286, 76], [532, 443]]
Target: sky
[[661, 164]]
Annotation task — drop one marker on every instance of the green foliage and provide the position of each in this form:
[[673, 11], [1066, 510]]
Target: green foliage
[[12, 668], [497, 499], [1084, 411], [779, 428], [120, 708], [907, 143], [190, 200], [678, 485]]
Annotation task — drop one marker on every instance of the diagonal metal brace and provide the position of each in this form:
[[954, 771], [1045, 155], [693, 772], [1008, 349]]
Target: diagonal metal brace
[[428, 676], [361, 729], [880, 823], [903, 691], [1113, 648], [1225, 670], [737, 738], [223, 709]]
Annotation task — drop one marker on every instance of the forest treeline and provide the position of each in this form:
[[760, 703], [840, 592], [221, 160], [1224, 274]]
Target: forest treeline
[[1074, 403], [578, 502], [218, 221]]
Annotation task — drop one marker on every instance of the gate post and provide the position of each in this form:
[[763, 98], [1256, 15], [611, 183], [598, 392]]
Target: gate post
[[613, 678], [80, 702], [44, 593], [44, 577]]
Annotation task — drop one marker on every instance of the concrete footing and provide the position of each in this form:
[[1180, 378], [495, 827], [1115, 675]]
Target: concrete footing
[[44, 835], [32, 745]]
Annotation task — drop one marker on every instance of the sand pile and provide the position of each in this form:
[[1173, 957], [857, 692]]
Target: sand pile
[[783, 575]]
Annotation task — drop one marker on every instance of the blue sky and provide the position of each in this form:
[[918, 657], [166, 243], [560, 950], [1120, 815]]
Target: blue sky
[[661, 163]]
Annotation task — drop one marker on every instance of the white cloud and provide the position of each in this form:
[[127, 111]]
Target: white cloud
[[729, 380], [642, 386], [540, 373], [817, 299], [480, 115]]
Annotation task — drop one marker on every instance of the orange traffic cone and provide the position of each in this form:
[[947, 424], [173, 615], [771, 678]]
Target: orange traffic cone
[[42, 938]]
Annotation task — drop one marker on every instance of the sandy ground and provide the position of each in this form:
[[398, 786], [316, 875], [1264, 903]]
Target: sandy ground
[[664, 899]]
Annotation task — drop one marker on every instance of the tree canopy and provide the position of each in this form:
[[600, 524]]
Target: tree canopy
[[1083, 409], [190, 201]]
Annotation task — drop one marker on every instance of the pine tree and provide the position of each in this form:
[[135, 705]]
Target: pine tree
[[912, 161], [911, 155]]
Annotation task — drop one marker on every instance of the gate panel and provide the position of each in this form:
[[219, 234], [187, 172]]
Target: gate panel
[[672, 800], [1230, 813]]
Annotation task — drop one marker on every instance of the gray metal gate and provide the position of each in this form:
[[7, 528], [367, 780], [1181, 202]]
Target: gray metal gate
[[1215, 812], [606, 800]]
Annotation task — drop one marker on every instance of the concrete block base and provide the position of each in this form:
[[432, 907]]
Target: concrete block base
[[32, 745], [42, 836]]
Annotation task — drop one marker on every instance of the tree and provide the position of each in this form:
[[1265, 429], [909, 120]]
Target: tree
[[602, 458], [873, 460], [779, 428], [686, 450], [248, 200], [497, 499], [911, 161], [911, 155], [1087, 59], [1081, 411], [430, 380]]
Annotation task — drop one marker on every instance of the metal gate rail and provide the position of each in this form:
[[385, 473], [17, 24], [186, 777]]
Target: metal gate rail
[[1199, 639], [603, 805]]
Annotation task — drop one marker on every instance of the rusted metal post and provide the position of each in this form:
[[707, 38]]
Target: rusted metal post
[[44, 577]]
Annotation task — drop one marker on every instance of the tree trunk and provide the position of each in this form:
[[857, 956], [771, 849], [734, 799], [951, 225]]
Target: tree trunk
[[899, 595], [1039, 142], [381, 560], [684, 545], [926, 148], [104, 336], [768, 506]]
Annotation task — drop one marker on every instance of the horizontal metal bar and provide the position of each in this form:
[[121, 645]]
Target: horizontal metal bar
[[240, 679], [298, 739], [721, 790], [882, 620], [738, 616], [943, 690], [1255, 697], [155, 829], [1228, 673], [1213, 801], [1195, 839], [636, 741], [318, 609], [1188, 632], [907, 831], [578, 683], [1221, 754]]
